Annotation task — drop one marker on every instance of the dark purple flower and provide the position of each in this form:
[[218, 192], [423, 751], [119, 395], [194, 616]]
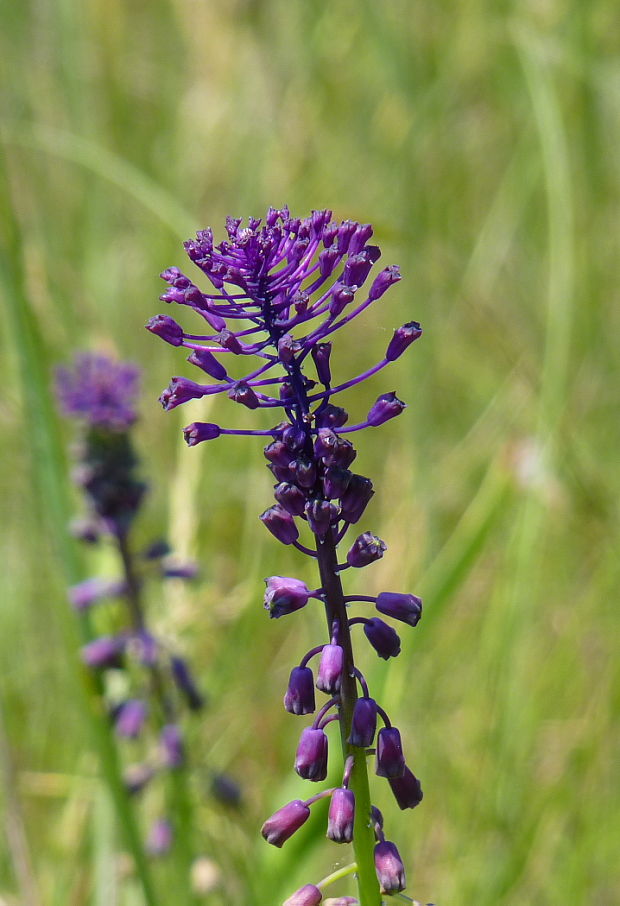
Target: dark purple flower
[[389, 867], [383, 281], [281, 524], [387, 406], [184, 681], [159, 839], [331, 417], [330, 669], [283, 823], [309, 895], [364, 722], [407, 789], [365, 550], [382, 637], [320, 515], [403, 338], [100, 391], [335, 481], [356, 498], [130, 718], [311, 757], [341, 816], [292, 498], [166, 328], [407, 608], [243, 393], [299, 697], [321, 354], [390, 758], [285, 595]]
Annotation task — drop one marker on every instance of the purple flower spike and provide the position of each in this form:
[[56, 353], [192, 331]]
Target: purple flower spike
[[364, 723], [299, 697], [100, 391], [283, 823], [104, 652], [407, 790], [330, 669], [356, 498], [341, 816], [311, 757], [389, 867], [130, 719], [382, 637], [292, 498], [387, 406], [403, 338], [281, 524], [309, 895], [209, 364], [407, 608], [390, 758], [199, 431], [159, 839], [172, 748], [284, 595], [166, 328], [365, 550]]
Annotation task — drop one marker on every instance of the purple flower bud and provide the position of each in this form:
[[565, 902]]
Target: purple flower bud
[[290, 497], [328, 260], [359, 266], [364, 723], [360, 237], [287, 348], [130, 718], [243, 393], [311, 757], [383, 281], [299, 697], [157, 549], [180, 391], [166, 328], [320, 515], [356, 497], [209, 364], [407, 790], [407, 608], [283, 823], [382, 637], [390, 758], [284, 595], [199, 431], [106, 651], [341, 297], [87, 593], [402, 339], [309, 895], [389, 867], [365, 550], [331, 417], [334, 450], [325, 443], [330, 669], [226, 790], [277, 452], [293, 437], [376, 818], [172, 748], [341, 816], [321, 353], [228, 340], [345, 232], [184, 681], [136, 777], [180, 571], [281, 524], [335, 481], [387, 406], [303, 471], [159, 839]]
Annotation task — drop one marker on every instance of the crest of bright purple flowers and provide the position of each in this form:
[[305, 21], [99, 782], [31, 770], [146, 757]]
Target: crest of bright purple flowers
[[279, 291]]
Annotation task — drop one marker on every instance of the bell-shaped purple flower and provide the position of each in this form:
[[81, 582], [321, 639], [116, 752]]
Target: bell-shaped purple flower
[[199, 431], [335, 481], [341, 816], [130, 718], [311, 757], [403, 338], [106, 651], [382, 637], [330, 669], [390, 758], [172, 747], [281, 524], [303, 472], [285, 595], [331, 417], [365, 550], [355, 499], [299, 697], [387, 406], [283, 823], [309, 895], [389, 867], [407, 608], [166, 328], [364, 722], [407, 789]]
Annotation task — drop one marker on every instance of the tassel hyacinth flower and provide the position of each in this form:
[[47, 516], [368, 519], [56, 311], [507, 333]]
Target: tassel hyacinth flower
[[280, 290]]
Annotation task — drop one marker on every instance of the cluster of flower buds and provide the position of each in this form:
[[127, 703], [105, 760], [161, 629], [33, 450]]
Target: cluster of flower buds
[[280, 290], [157, 684]]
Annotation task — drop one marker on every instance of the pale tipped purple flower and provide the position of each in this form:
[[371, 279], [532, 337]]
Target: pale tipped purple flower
[[166, 328], [104, 652], [330, 669], [299, 697], [403, 338], [389, 867], [283, 823], [285, 595], [311, 757], [197, 432], [407, 608], [309, 895], [341, 816], [100, 391]]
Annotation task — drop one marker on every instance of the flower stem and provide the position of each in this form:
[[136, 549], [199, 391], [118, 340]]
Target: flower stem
[[363, 834]]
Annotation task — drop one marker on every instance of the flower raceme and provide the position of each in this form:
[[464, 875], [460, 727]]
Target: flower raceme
[[279, 292]]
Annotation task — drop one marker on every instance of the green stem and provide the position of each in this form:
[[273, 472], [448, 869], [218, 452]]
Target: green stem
[[363, 833]]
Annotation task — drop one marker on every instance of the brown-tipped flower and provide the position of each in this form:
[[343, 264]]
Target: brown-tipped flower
[[283, 823], [341, 816]]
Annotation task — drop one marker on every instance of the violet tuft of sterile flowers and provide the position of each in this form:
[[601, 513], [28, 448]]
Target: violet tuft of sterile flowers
[[99, 391]]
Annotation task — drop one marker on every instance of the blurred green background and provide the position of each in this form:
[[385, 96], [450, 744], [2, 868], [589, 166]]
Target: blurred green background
[[480, 138]]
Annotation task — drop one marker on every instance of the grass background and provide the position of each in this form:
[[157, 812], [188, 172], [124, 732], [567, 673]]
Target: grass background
[[480, 138]]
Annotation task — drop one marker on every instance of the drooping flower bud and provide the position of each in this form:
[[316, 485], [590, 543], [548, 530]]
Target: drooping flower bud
[[382, 637], [407, 608], [199, 431], [209, 364], [355, 499], [321, 354], [331, 417], [390, 758], [389, 867], [330, 669], [228, 340], [341, 816], [403, 338], [387, 406], [341, 296], [166, 328], [243, 393], [364, 722], [335, 481], [303, 471], [365, 550], [309, 895], [292, 498], [407, 790], [130, 718], [172, 748], [281, 524], [284, 595], [311, 757], [278, 453], [299, 697], [283, 823], [359, 266]]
